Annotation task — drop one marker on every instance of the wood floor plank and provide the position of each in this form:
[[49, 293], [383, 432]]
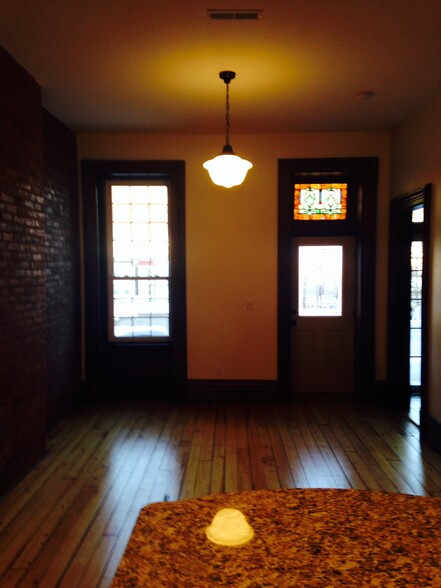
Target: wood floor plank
[[28, 532], [67, 524], [190, 476], [297, 472], [281, 459], [259, 480], [353, 477], [100, 545], [317, 469], [48, 468], [217, 485], [106, 483], [203, 473], [57, 552], [171, 469], [266, 449], [231, 453], [126, 480]]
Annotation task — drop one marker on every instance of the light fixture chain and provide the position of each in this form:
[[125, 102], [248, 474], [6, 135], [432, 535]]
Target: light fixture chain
[[227, 114], [227, 169]]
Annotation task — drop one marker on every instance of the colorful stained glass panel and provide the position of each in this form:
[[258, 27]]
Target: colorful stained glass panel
[[320, 201]]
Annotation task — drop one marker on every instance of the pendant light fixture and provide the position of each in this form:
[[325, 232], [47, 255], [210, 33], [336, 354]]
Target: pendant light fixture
[[227, 169]]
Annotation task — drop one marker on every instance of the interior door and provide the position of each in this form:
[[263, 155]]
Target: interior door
[[322, 315]]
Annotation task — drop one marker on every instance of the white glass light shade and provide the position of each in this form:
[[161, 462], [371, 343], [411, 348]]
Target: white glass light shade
[[229, 527], [227, 169]]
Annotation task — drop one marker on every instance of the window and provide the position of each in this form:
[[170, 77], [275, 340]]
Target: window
[[320, 280], [321, 202], [138, 260], [416, 295]]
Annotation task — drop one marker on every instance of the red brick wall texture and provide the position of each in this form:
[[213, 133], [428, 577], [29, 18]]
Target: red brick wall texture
[[39, 272]]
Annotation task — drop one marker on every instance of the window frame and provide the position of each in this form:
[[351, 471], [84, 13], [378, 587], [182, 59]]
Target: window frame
[[110, 269], [132, 367]]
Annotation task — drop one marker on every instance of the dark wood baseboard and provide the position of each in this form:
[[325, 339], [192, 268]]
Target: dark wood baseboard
[[232, 390], [252, 391], [388, 395], [324, 397], [431, 431]]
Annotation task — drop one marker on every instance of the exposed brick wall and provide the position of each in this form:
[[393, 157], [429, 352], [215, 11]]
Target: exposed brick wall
[[29, 231], [61, 267]]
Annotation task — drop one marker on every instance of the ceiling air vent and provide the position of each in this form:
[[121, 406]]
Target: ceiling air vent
[[234, 14]]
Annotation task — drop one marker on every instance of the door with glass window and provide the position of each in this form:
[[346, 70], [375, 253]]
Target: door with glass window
[[326, 323], [322, 315]]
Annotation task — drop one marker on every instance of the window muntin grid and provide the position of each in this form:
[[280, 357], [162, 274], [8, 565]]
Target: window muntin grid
[[416, 289], [138, 261]]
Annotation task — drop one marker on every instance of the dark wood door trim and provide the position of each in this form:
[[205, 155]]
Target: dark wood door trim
[[362, 173], [400, 235]]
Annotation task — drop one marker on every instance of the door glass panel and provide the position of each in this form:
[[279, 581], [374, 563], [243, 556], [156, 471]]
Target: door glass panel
[[320, 278], [138, 261]]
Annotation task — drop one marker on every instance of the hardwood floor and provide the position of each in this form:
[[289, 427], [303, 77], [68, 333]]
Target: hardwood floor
[[68, 522]]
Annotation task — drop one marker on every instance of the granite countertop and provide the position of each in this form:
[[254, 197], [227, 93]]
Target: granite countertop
[[310, 537]]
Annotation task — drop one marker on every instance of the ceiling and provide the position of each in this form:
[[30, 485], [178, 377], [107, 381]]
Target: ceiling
[[153, 65]]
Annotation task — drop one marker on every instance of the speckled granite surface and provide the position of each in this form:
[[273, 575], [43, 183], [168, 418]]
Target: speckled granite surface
[[319, 538]]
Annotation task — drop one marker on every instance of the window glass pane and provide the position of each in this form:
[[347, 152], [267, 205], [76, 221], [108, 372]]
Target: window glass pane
[[120, 195], [122, 232], [158, 195], [418, 214], [158, 213], [153, 267], [123, 269], [122, 251], [159, 233], [320, 280], [142, 327], [124, 289], [416, 291], [137, 303], [320, 201], [140, 233], [139, 264], [121, 213], [140, 213]]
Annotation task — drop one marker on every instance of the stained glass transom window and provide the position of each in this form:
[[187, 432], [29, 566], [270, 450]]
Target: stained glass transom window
[[320, 201]]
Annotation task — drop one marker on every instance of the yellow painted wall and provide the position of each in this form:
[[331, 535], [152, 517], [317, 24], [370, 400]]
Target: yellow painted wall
[[416, 162], [231, 238]]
